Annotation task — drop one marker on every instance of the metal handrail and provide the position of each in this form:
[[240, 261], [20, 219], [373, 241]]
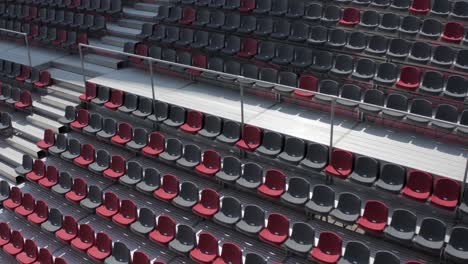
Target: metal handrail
[[28, 47]]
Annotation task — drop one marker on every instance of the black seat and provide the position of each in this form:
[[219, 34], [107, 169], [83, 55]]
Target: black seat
[[355, 253], [216, 20], [447, 113], [386, 257], [289, 80], [272, 144], [431, 235], [410, 25], [457, 247], [350, 92], [281, 29], [377, 45], [420, 52], [402, 228], [329, 87], [301, 240], [397, 102], [299, 32], [387, 73], [297, 193], [321, 61], [443, 56], [264, 27], [231, 132], [262, 6], [343, 65], [390, 22], [230, 212], [433, 83], [322, 201], [370, 19], [266, 51], [294, 150], [251, 177], [331, 14], [317, 35], [348, 209], [456, 88], [188, 196], [302, 57], [364, 70], [278, 7], [253, 220], [313, 11], [373, 97], [247, 24], [316, 157], [420, 107], [336, 38], [231, 170], [232, 45], [357, 41], [431, 28], [283, 54], [232, 22], [399, 48], [150, 182]]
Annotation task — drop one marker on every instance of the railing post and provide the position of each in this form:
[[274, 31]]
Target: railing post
[[28, 47], [330, 148], [153, 92], [463, 190], [240, 79], [80, 50]]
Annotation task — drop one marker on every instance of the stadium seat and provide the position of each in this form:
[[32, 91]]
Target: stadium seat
[[377, 45], [456, 87], [184, 241], [44, 80], [124, 134], [116, 169], [102, 247], [456, 248], [191, 157], [420, 52], [23, 169], [317, 35], [322, 201], [277, 230], [54, 221], [350, 18], [402, 227], [343, 65], [115, 100], [94, 198], [446, 193], [15, 245], [230, 253], [328, 249], [355, 252], [139, 139], [447, 113], [109, 207], [341, 165], [420, 7], [431, 235], [134, 174], [431, 29], [145, 223], [69, 229], [120, 253], [38, 171], [369, 19], [188, 196], [348, 209], [375, 216], [94, 125], [85, 238], [90, 92], [366, 170], [274, 185], [208, 205], [102, 162], [386, 256], [459, 10], [127, 213], [229, 213], [86, 157], [51, 177], [169, 188], [28, 203], [64, 184], [206, 251], [79, 190], [82, 119], [156, 144], [453, 32], [329, 87], [14, 200]]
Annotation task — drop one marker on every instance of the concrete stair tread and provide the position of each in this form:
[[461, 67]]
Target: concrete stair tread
[[56, 101], [144, 7], [27, 130], [131, 23], [44, 122], [47, 110], [72, 64], [104, 61], [74, 80], [25, 146], [138, 13], [107, 45], [116, 30], [64, 92], [116, 42], [8, 172], [10, 155]]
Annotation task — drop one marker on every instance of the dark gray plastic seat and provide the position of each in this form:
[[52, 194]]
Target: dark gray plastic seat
[[329, 87], [102, 96], [366, 170], [431, 28], [4, 190], [431, 235], [316, 157], [216, 20], [64, 184], [212, 127], [15, 96], [456, 88], [410, 25], [200, 39], [232, 45], [6, 92], [301, 240], [93, 199], [94, 125], [109, 129], [169, 55], [253, 258], [70, 114], [322, 201], [202, 18], [351, 92], [295, 8], [297, 193], [150, 182], [214, 64], [321, 61], [421, 52], [188, 196], [184, 58], [463, 121], [447, 113], [231, 132], [331, 14], [294, 150], [432, 83], [265, 51], [172, 35], [134, 174], [252, 176], [176, 117], [120, 254], [392, 178], [317, 35], [54, 221], [343, 65], [377, 45], [456, 249], [387, 73], [253, 220], [386, 257], [102, 162], [184, 241], [313, 11], [400, 4], [289, 80], [185, 38], [173, 150], [145, 223], [336, 38], [59, 146], [299, 32], [215, 42], [281, 29], [396, 102], [302, 57], [231, 170], [230, 212], [443, 56], [389, 22], [232, 67], [357, 41], [283, 55], [6, 127], [370, 19], [247, 24], [348, 209], [139, 140], [402, 228], [231, 22], [460, 10], [73, 150], [264, 27], [249, 71], [420, 107], [461, 63], [191, 157], [155, 52], [272, 144], [399, 48], [373, 97], [262, 7], [278, 7], [26, 165], [355, 253]]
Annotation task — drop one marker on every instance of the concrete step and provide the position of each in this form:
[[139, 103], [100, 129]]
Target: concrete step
[[136, 13], [56, 102], [116, 41], [104, 61], [25, 146], [116, 30], [131, 23], [67, 79], [10, 155], [7, 172], [109, 45], [48, 111], [28, 131], [65, 93], [146, 7], [72, 64], [45, 123]]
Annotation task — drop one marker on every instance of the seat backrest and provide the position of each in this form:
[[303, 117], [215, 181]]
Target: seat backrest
[[330, 242], [376, 211], [303, 233], [350, 203], [357, 252], [186, 235], [210, 198], [278, 224]]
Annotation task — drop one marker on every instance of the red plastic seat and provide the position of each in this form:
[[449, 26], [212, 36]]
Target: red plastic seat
[[5, 234], [82, 119], [117, 168], [124, 134], [247, 5], [142, 50], [420, 7], [375, 217], [275, 184], [78, 191], [165, 230], [276, 231], [140, 258], [61, 37], [44, 257], [230, 254], [14, 200], [28, 203], [351, 17], [102, 247], [44, 80], [84, 239], [38, 171], [82, 38], [87, 156], [90, 92], [109, 207], [410, 77], [60, 260], [248, 48], [208, 205], [207, 249], [29, 253], [48, 140], [156, 145], [169, 188], [307, 82], [200, 61], [51, 177], [127, 213], [188, 16], [453, 32], [341, 165], [328, 249], [40, 213], [69, 229], [418, 186], [25, 100], [251, 138], [446, 193], [25, 73], [194, 122], [211, 163], [15, 245], [116, 100]]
